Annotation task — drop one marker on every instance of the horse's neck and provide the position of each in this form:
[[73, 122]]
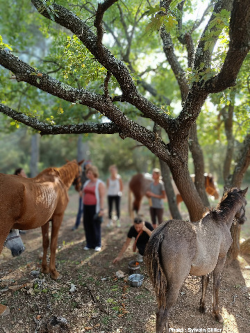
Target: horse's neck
[[229, 219], [67, 174]]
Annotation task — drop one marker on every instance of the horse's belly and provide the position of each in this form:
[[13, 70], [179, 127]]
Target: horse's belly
[[201, 270]]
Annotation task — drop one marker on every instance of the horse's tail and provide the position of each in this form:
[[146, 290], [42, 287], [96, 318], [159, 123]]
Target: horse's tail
[[152, 259]]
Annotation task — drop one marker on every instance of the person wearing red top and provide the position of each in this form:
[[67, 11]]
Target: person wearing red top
[[93, 205]]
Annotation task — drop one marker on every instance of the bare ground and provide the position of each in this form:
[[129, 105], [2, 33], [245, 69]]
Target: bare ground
[[101, 302]]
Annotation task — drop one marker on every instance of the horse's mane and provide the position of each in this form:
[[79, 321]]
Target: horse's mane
[[67, 170], [228, 200]]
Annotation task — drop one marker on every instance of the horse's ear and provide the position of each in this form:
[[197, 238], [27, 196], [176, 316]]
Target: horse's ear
[[226, 188], [81, 162], [244, 191]]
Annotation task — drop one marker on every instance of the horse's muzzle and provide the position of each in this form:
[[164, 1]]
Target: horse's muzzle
[[17, 251], [242, 220]]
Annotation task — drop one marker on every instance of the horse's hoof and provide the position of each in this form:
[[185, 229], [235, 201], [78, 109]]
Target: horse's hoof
[[45, 270], [4, 310], [218, 318], [55, 276]]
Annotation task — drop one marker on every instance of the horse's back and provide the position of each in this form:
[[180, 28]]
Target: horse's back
[[139, 184], [11, 196], [25, 203], [178, 235]]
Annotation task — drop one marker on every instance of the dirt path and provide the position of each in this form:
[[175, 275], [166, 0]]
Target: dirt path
[[101, 302]]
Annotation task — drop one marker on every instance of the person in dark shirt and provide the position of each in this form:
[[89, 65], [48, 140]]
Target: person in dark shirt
[[84, 178], [141, 231]]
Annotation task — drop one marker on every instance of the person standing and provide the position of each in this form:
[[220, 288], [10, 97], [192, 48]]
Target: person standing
[[80, 205], [20, 172], [156, 193], [114, 193], [141, 231], [93, 208]]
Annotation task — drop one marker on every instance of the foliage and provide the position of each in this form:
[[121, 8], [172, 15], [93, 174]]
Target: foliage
[[122, 67]]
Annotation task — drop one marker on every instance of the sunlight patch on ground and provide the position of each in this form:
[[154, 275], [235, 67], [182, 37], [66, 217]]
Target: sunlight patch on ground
[[229, 322], [245, 270]]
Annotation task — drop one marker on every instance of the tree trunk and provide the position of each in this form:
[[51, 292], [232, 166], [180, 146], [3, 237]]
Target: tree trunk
[[166, 175], [239, 172], [235, 247], [199, 168], [34, 158], [228, 123], [185, 185], [82, 149]]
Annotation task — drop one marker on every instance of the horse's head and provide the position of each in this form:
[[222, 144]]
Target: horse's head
[[240, 215], [211, 186], [14, 243], [78, 179]]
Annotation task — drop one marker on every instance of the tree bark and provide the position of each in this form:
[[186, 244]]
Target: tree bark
[[239, 171], [172, 204], [227, 114], [199, 168]]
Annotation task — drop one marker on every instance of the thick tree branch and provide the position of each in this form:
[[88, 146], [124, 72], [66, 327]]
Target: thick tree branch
[[102, 7], [203, 54], [70, 21], [242, 163], [44, 128], [239, 47], [179, 73]]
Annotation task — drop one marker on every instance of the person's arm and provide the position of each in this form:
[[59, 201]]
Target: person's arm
[[121, 184], [102, 197], [124, 248], [107, 183], [148, 231]]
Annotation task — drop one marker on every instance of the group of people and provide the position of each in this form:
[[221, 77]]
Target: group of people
[[91, 207]]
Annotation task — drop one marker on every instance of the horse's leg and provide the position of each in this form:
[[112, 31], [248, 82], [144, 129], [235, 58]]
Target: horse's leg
[[204, 283], [45, 234], [216, 284], [130, 210], [56, 223], [171, 299], [178, 201]]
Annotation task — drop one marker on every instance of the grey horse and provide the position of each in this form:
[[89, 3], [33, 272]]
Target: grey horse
[[14, 243], [179, 248]]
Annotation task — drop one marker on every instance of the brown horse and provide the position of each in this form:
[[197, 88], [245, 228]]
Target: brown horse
[[28, 203], [178, 248], [139, 185]]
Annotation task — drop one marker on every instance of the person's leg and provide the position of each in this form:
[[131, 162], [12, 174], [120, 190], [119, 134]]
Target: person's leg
[[159, 213], [97, 235], [79, 214], [141, 250], [110, 207], [153, 216], [110, 204], [88, 214], [117, 199]]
